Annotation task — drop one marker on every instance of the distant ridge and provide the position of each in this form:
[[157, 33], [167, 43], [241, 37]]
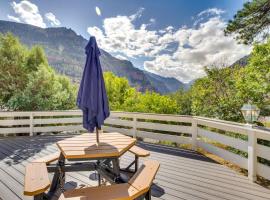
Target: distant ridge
[[65, 51], [242, 62]]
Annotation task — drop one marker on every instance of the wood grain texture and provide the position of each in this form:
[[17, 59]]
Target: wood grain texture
[[84, 146], [113, 192], [36, 179], [138, 185], [47, 159], [139, 151], [143, 178], [183, 175]]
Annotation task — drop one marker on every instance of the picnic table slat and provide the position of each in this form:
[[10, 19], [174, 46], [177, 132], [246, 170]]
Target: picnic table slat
[[139, 151], [144, 177], [47, 159], [92, 147], [36, 179], [75, 144], [92, 140], [115, 192], [84, 146]]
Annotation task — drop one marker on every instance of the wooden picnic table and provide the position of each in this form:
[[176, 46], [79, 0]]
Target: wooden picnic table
[[84, 147]]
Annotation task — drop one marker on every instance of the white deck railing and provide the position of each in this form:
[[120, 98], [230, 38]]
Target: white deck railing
[[214, 136]]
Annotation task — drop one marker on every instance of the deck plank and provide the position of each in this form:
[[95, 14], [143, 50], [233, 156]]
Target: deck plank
[[184, 174], [222, 189], [6, 193]]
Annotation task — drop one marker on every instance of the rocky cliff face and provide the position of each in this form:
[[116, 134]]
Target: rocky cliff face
[[65, 51]]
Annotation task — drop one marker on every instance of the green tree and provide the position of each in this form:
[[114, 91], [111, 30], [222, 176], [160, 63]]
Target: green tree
[[215, 95], [118, 90], [223, 91], [123, 97], [152, 102], [252, 22], [27, 82], [183, 100], [253, 83], [13, 75], [44, 91], [35, 58]]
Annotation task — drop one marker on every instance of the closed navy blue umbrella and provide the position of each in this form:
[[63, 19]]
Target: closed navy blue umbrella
[[92, 98]]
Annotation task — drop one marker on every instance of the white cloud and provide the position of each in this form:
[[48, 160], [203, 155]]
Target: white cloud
[[98, 11], [152, 20], [28, 13], [137, 15], [205, 14], [121, 57], [211, 11], [13, 18], [52, 19], [174, 52], [121, 36], [197, 48]]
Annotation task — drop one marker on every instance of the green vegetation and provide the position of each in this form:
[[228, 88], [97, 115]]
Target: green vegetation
[[123, 97], [252, 22], [27, 82], [220, 94], [223, 91]]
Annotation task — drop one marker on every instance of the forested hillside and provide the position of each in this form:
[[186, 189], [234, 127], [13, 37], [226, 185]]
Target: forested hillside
[[27, 82], [65, 52]]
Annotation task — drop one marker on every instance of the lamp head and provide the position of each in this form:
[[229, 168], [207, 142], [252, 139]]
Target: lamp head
[[250, 112]]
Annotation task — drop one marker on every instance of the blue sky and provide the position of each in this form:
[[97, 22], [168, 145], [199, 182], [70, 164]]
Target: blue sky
[[174, 38]]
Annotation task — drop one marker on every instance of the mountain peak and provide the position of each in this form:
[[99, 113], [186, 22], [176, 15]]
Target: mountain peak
[[65, 51]]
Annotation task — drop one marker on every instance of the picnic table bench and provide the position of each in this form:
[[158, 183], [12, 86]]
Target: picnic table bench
[[36, 180], [138, 152], [111, 147], [139, 185], [48, 159]]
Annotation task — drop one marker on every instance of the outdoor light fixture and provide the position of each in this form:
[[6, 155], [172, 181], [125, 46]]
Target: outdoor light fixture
[[250, 112]]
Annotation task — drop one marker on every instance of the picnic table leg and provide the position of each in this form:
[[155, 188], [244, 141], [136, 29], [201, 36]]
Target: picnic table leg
[[39, 197], [136, 163], [148, 195], [98, 174], [59, 176], [116, 170]]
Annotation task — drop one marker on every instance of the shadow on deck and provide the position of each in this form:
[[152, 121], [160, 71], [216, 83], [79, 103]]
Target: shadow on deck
[[184, 174]]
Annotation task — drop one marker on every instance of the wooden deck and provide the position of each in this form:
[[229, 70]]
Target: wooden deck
[[184, 174]]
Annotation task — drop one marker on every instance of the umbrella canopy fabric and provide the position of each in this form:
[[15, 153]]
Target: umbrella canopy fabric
[[92, 98]]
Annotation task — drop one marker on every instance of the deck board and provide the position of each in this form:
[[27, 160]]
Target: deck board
[[183, 175]]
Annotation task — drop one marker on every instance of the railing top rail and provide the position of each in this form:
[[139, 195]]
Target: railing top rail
[[238, 127], [141, 113], [233, 126], [218, 120], [48, 111]]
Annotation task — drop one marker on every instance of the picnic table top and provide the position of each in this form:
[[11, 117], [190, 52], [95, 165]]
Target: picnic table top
[[85, 146]]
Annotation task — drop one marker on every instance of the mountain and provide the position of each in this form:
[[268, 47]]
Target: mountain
[[65, 52], [189, 84], [242, 62], [163, 84]]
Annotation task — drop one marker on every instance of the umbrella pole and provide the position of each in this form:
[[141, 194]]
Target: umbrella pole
[[97, 135]]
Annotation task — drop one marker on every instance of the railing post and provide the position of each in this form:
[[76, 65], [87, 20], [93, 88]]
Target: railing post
[[31, 123], [252, 156], [194, 134], [134, 126]]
